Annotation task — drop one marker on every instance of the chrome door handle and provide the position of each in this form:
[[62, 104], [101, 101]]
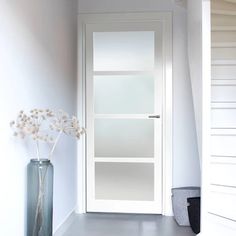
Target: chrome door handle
[[156, 116]]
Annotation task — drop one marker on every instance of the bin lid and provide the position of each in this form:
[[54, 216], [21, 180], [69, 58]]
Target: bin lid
[[186, 188]]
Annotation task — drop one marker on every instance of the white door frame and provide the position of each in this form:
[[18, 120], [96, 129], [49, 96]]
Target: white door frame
[[166, 19]]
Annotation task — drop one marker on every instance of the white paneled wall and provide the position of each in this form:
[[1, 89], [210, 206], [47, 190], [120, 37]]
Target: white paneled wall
[[222, 166]]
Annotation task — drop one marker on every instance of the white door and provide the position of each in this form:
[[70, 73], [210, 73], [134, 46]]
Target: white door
[[124, 83]]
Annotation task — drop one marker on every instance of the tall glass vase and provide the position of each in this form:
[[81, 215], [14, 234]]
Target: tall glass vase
[[39, 198]]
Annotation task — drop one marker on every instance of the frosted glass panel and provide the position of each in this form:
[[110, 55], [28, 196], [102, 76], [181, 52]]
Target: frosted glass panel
[[124, 181], [124, 138], [125, 51], [124, 94]]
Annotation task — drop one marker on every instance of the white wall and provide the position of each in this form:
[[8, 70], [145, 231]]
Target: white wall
[[186, 163], [195, 61], [38, 41]]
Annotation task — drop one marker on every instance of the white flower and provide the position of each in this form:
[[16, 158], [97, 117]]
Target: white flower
[[45, 125]]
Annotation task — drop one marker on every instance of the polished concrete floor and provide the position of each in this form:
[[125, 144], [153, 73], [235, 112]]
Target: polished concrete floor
[[125, 225]]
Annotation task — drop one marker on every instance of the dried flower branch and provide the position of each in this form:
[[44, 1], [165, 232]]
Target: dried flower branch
[[45, 125]]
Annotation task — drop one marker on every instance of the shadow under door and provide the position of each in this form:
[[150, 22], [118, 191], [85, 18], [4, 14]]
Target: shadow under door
[[124, 83]]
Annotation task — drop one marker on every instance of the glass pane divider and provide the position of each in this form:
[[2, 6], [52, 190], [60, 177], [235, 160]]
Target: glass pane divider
[[123, 116], [125, 159], [152, 72]]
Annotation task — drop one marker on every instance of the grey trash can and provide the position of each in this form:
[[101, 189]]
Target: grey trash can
[[180, 204]]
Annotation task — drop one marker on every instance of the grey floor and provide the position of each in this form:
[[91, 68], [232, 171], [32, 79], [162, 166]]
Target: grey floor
[[125, 225]]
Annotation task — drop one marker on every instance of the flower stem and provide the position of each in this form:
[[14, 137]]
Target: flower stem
[[37, 149]]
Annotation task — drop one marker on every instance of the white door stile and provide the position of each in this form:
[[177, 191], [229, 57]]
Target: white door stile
[[159, 86], [89, 116]]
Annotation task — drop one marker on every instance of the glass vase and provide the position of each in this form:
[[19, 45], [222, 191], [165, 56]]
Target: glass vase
[[39, 198]]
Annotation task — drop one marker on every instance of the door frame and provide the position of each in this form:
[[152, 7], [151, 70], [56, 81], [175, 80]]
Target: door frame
[[167, 144]]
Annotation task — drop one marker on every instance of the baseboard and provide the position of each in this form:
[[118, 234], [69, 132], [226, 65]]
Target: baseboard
[[62, 228]]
